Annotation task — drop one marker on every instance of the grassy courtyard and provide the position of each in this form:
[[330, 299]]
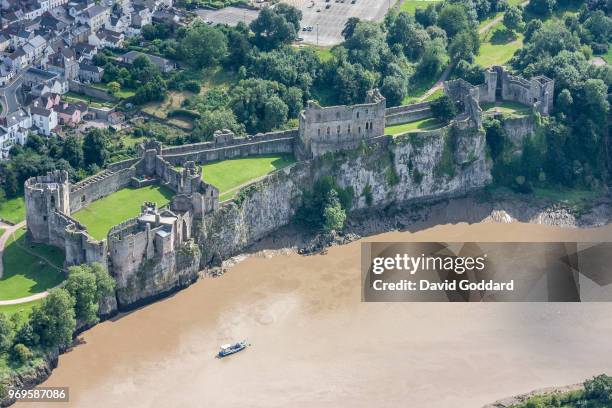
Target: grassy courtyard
[[508, 109], [13, 210], [227, 175], [498, 46], [24, 272], [416, 126], [115, 208]]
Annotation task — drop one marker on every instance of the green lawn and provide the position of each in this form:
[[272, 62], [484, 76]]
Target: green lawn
[[122, 94], [13, 210], [26, 274], [115, 208], [26, 308], [417, 126], [410, 6], [507, 108], [498, 46], [229, 174], [72, 97]]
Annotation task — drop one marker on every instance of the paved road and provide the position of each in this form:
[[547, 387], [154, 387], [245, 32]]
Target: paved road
[[8, 96]]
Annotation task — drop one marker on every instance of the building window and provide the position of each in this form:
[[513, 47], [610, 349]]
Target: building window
[[359, 130], [338, 129], [319, 131], [367, 125], [328, 131], [357, 115], [349, 129]]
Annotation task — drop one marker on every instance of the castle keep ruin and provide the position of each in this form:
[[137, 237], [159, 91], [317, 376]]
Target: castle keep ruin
[[164, 248]]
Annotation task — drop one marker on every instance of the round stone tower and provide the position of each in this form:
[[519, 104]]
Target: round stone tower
[[43, 196]]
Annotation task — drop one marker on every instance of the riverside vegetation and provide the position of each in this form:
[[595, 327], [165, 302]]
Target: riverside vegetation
[[29, 338]]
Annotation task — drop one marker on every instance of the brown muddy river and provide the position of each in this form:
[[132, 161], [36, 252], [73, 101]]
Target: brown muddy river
[[314, 344]]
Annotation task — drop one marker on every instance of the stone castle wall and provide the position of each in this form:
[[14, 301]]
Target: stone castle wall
[[163, 249], [228, 147], [537, 92], [407, 113], [335, 128]]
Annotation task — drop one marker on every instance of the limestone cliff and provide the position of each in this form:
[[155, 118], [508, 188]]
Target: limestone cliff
[[419, 166], [158, 277]]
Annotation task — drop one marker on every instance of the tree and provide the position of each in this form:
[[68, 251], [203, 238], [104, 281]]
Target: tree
[[599, 388], [105, 284], [443, 109], [202, 45], [434, 58], [464, 46], [453, 19], [81, 284], [542, 7], [349, 27], [513, 18], [95, 147], [113, 87], [258, 104], [7, 332], [73, 151], [275, 113], [367, 46], [54, 319], [426, 16], [564, 101], [333, 213], [213, 120], [272, 27], [394, 90], [599, 26]]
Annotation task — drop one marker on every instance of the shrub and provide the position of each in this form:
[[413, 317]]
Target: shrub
[[22, 353], [443, 109]]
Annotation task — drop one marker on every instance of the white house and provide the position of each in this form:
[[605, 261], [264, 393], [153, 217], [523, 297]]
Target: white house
[[44, 119], [14, 129]]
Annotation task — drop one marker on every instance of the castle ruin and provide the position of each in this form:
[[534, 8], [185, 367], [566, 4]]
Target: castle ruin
[[160, 238]]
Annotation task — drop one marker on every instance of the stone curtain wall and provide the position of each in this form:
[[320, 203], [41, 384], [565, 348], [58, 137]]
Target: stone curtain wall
[[407, 113], [99, 186], [261, 144]]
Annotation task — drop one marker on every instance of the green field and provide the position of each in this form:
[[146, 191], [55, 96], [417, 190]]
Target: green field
[[410, 6], [498, 46], [228, 174], [510, 109], [13, 210], [25, 273], [115, 208], [416, 126]]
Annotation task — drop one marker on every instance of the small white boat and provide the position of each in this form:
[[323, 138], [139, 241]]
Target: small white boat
[[228, 349]]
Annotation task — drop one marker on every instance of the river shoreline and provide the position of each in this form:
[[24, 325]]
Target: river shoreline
[[471, 209]]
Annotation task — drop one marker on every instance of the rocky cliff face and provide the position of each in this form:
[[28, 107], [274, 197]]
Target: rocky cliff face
[[420, 166], [158, 277], [413, 167]]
